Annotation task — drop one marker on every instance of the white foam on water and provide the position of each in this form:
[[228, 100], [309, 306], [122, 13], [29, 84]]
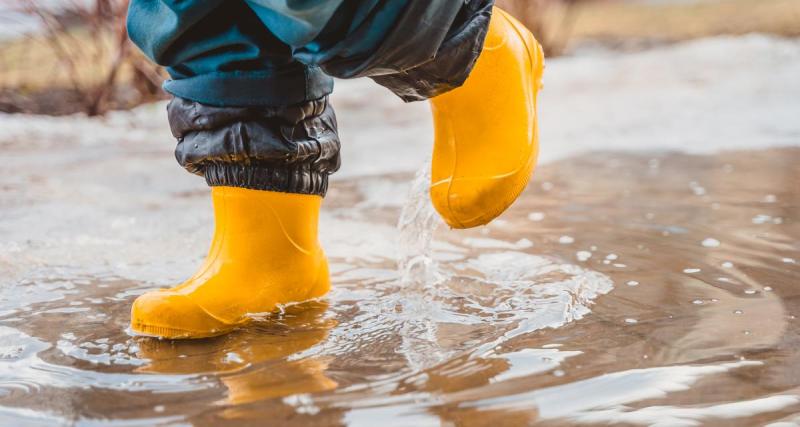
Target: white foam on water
[[531, 361], [23, 369], [596, 399], [663, 416]]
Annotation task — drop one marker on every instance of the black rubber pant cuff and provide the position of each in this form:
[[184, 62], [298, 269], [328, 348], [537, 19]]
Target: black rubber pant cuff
[[290, 149], [298, 179]]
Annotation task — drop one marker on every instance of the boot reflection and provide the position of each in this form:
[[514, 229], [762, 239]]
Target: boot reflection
[[252, 363]]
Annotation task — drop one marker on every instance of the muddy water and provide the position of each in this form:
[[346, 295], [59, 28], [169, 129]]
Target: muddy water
[[637, 288]]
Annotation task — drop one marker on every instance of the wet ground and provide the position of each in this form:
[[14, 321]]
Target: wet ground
[[641, 286], [627, 287]]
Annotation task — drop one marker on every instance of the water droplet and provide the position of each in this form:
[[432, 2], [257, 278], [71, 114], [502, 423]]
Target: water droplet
[[738, 312], [747, 332], [619, 265], [523, 244], [710, 242], [631, 321], [611, 256], [767, 288], [232, 357], [632, 283], [691, 270], [697, 302], [789, 260], [583, 255], [697, 189], [536, 216], [159, 408], [558, 373], [566, 240], [727, 264], [750, 291], [761, 219]]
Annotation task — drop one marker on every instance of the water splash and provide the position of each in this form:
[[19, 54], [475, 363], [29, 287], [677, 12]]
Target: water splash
[[420, 276], [513, 291], [418, 222]]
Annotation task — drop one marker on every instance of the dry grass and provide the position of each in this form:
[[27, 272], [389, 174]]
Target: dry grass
[[35, 80], [80, 56], [677, 21], [558, 24], [29, 63]]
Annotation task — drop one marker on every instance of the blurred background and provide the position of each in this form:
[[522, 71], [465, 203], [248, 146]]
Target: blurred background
[[66, 56]]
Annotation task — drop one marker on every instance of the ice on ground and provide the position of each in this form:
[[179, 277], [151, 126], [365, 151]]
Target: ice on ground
[[699, 96]]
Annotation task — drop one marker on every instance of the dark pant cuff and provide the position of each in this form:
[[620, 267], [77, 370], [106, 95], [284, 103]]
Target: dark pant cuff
[[453, 62], [291, 149], [298, 179]]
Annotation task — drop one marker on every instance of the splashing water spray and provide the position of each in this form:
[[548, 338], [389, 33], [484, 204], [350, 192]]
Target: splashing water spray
[[418, 222], [420, 276]]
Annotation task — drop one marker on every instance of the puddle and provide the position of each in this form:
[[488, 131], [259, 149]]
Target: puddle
[[613, 290]]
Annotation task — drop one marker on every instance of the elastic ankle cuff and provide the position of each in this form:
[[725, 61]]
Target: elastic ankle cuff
[[295, 178], [288, 149]]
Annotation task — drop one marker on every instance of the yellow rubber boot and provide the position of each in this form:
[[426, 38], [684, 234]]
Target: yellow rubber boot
[[264, 253], [486, 133]]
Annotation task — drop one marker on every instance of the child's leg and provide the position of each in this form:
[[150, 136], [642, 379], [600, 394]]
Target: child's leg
[[487, 136], [483, 97], [257, 125], [250, 114]]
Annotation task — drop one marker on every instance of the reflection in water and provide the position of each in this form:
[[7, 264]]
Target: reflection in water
[[514, 323], [253, 364]]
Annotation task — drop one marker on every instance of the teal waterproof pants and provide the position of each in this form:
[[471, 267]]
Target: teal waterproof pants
[[284, 52]]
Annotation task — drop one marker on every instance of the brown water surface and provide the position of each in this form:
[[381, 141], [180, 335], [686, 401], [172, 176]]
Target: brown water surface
[[622, 287]]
